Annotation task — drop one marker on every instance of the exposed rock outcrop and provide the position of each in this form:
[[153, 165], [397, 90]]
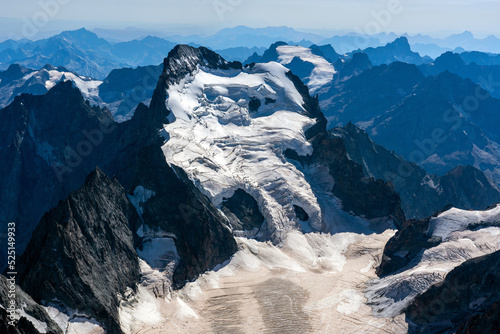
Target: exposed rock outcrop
[[469, 293], [243, 211], [83, 250], [421, 194]]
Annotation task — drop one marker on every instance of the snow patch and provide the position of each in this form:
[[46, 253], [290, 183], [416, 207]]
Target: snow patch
[[323, 71], [142, 309], [73, 322], [141, 195], [39, 325], [459, 220], [159, 252]]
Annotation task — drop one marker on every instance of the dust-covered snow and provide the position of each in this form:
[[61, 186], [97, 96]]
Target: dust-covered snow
[[312, 284]]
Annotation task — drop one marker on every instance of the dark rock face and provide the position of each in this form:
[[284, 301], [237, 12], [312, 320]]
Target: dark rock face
[[183, 60], [254, 104], [382, 164], [311, 105], [421, 194], [40, 137], [479, 73], [83, 250], [202, 238], [468, 188], [399, 50], [327, 52], [469, 293], [409, 242], [129, 87], [483, 322], [360, 195], [301, 213], [243, 211], [23, 326]]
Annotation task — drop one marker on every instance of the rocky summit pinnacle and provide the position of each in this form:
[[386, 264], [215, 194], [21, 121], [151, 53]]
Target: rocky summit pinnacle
[[84, 250], [184, 59]]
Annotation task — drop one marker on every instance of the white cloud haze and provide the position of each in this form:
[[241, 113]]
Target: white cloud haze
[[413, 16]]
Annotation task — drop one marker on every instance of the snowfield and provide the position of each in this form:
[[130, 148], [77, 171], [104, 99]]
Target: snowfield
[[313, 284], [50, 76], [223, 146], [88, 87]]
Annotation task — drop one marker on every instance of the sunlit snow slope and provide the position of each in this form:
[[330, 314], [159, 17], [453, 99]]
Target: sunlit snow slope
[[39, 82], [323, 71], [462, 239], [223, 145]]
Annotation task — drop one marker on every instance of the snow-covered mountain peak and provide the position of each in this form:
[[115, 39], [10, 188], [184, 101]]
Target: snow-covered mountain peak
[[230, 128], [184, 59], [40, 81]]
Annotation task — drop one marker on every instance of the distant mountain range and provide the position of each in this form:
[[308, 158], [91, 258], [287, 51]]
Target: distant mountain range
[[86, 53], [431, 117], [398, 50], [465, 187], [481, 68], [242, 36], [120, 92], [374, 100]]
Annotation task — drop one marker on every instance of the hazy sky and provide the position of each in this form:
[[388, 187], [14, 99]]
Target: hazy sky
[[208, 16]]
